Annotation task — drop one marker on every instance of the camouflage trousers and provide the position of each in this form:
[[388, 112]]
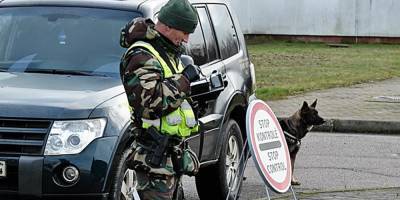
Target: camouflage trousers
[[155, 186], [160, 183]]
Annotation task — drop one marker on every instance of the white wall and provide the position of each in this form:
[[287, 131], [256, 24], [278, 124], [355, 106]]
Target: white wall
[[319, 17]]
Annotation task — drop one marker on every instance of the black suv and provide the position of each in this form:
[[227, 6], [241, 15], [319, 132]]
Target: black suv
[[63, 111]]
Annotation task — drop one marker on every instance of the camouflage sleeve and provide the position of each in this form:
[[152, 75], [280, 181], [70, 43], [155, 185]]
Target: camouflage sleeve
[[149, 94]]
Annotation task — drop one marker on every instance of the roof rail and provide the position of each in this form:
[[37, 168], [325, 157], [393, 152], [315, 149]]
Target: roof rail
[[141, 4]]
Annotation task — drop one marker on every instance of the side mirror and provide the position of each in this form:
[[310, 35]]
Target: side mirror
[[186, 60]]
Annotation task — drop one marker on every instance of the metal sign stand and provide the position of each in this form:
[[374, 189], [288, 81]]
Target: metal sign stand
[[291, 188], [294, 193], [242, 172], [266, 189]]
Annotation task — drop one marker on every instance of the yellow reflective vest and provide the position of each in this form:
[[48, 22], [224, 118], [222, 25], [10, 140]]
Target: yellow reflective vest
[[180, 122]]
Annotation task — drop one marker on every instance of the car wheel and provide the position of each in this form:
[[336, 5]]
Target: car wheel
[[223, 178], [124, 181]]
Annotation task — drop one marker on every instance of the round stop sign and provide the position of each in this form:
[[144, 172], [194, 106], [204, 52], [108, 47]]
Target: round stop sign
[[268, 146]]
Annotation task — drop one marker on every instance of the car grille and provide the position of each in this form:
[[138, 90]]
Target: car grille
[[23, 137]]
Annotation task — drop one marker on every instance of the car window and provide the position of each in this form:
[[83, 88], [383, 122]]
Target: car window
[[211, 43], [196, 46], [62, 38], [226, 34], [202, 45]]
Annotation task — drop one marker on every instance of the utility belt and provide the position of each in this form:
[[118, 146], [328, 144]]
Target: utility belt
[[155, 151]]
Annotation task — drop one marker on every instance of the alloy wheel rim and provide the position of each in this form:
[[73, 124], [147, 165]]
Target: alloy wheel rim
[[232, 163], [128, 185]]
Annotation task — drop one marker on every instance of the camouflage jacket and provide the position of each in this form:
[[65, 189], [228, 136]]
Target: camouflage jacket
[[149, 93]]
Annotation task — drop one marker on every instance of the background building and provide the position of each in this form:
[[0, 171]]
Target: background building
[[371, 19]]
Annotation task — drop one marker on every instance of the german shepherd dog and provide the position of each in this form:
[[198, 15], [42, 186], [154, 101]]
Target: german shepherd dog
[[296, 127]]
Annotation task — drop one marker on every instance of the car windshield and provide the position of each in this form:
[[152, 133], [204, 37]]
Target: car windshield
[[62, 39]]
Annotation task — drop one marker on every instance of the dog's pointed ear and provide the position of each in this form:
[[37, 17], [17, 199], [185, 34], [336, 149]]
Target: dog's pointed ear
[[314, 103], [304, 107]]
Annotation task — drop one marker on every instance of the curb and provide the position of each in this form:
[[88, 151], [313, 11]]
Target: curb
[[359, 126]]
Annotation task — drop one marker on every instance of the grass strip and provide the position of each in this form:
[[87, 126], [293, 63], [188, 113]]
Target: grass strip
[[291, 68]]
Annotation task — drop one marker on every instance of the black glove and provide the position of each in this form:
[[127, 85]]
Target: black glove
[[191, 72]]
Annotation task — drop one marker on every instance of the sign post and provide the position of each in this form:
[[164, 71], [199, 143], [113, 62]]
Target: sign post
[[268, 146]]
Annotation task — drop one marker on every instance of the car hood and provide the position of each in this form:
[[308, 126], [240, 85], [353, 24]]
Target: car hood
[[51, 96]]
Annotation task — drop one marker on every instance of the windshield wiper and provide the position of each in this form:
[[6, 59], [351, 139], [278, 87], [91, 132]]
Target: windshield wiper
[[61, 71], [3, 70]]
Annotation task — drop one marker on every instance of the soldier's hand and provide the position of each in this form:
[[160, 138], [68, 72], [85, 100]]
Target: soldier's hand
[[191, 72]]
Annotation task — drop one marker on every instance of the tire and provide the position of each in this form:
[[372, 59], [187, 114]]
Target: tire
[[124, 179], [216, 181]]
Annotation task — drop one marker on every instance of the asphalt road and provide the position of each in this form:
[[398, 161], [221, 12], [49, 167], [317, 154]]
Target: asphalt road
[[333, 162]]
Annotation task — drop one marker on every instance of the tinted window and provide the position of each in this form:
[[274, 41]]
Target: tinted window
[[202, 44], [61, 38], [197, 47], [211, 44], [224, 29]]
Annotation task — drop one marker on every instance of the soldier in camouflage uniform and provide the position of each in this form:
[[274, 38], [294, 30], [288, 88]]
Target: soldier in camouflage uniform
[[158, 87]]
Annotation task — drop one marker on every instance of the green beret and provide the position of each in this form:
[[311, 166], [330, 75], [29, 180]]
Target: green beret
[[179, 14]]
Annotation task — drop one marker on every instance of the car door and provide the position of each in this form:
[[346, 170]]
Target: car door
[[204, 50], [232, 54]]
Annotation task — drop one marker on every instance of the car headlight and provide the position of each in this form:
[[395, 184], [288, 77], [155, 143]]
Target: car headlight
[[71, 137]]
